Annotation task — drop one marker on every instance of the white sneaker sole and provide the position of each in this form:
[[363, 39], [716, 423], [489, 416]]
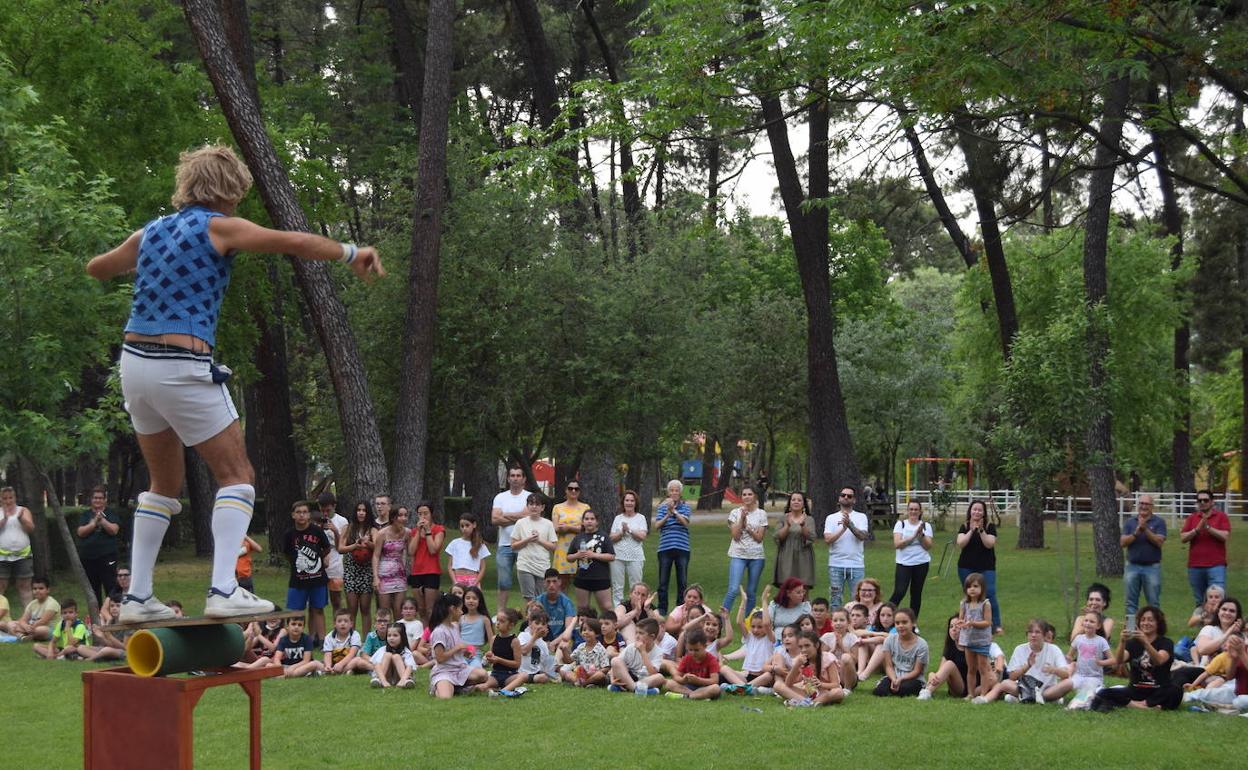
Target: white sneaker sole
[[238, 610]]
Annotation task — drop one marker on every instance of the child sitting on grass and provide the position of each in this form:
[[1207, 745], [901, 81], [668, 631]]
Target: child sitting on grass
[[905, 658], [342, 647], [537, 662], [842, 643], [394, 665], [638, 669], [814, 679], [451, 675], [294, 652], [107, 646], [1038, 671], [697, 674], [66, 635], [504, 653], [588, 664], [758, 642]]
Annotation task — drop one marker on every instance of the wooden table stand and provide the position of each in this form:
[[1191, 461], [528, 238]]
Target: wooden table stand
[[145, 723]]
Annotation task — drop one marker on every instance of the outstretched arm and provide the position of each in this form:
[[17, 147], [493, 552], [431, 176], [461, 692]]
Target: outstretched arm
[[238, 234]]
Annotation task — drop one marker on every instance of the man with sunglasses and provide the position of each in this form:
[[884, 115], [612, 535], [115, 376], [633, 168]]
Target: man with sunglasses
[[844, 532], [1206, 531]]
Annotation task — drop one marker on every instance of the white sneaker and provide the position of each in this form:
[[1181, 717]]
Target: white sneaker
[[980, 700], [238, 602], [136, 610], [1039, 696], [925, 694], [764, 691], [1011, 698]]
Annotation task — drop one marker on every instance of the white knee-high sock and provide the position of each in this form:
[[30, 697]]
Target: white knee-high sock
[[151, 520], [231, 515]]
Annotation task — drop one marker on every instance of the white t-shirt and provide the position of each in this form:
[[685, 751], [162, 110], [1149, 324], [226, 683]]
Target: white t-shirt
[[634, 660], [332, 642], [460, 551], [666, 645], [758, 650], [914, 553], [541, 663], [1049, 656], [533, 558], [846, 550], [1208, 632], [333, 562], [844, 644], [745, 546], [408, 660], [629, 548], [415, 629], [509, 503]]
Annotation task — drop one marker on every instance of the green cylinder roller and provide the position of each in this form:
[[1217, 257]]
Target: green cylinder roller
[[164, 651]]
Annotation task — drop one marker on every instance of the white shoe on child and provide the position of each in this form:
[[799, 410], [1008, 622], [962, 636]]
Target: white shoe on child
[[238, 602], [1011, 698], [1039, 696], [925, 694], [136, 610], [980, 700]]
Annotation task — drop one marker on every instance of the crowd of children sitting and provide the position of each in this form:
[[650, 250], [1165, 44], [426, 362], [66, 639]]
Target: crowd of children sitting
[[817, 659]]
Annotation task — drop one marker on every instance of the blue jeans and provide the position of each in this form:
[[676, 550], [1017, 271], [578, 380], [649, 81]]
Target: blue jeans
[[990, 587], [1146, 576], [505, 560], [667, 559], [841, 582], [736, 568], [1200, 578]]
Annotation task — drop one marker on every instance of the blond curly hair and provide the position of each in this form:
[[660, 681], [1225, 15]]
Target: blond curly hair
[[211, 176]]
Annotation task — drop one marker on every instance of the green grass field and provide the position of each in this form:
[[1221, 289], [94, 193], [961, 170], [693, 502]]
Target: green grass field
[[341, 723]]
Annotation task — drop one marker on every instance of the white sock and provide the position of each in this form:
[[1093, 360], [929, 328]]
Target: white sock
[[231, 515], [151, 520]]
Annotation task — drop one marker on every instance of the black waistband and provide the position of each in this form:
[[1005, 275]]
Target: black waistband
[[162, 350]]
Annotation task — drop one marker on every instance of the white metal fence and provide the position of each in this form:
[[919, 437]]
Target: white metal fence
[[1171, 506]]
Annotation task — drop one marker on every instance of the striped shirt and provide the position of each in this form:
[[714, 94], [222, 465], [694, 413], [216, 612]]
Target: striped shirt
[[673, 536]]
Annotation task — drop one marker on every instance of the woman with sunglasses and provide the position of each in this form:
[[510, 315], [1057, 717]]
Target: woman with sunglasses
[[566, 517]]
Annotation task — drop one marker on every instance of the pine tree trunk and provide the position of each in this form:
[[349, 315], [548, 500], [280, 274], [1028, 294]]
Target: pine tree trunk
[[1096, 290], [708, 474], [598, 486], [202, 492], [831, 448], [420, 324], [404, 55], [1182, 477], [71, 547], [361, 438], [32, 486]]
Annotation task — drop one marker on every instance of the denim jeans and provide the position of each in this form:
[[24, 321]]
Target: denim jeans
[[736, 569], [505, 562], [679, 559], [1145, 576], [1200, 578], [990, 587], [841, 582]]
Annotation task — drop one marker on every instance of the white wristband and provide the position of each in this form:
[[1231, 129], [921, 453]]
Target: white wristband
[[349, 252]]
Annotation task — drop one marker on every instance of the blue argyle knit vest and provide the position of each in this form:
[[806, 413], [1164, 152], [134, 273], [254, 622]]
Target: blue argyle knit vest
[[181, 279]]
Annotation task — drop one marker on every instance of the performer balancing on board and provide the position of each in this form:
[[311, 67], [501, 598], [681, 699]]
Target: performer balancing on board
[[173, 390]]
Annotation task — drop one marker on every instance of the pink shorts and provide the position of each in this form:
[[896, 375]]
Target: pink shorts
[[467, 580]]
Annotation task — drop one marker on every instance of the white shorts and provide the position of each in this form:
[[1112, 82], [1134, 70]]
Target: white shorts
[[170, 387]]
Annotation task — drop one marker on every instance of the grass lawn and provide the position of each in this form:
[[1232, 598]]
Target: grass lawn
[[341, 723]]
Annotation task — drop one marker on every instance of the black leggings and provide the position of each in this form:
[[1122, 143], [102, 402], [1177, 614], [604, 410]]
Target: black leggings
[[102, 574], [912, 579], [906, 689], [1168, 697]]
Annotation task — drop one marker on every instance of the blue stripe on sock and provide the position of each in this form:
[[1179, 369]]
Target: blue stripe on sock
[[249, 503], [152, 514]]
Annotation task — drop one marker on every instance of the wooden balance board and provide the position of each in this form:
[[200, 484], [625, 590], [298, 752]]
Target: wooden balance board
[[201, 620]]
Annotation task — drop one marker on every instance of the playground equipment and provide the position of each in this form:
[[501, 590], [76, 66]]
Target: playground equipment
[[157, 708]]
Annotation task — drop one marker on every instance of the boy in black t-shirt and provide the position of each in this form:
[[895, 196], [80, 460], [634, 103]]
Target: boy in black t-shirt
[[294, 651], [306, 546]]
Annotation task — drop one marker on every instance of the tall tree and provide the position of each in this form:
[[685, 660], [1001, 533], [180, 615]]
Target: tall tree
[[1096, 289], [419, 327], [360, 436], [832, 462]]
